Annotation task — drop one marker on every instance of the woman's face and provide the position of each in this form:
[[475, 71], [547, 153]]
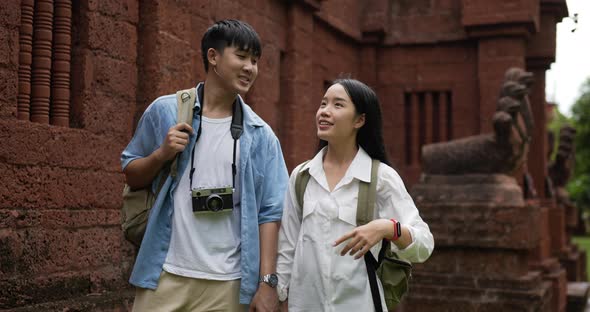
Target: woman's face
[[336, 118]]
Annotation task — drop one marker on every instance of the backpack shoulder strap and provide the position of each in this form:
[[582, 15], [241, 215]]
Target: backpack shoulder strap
[[367, 196], [301, 181], [364, 214], [185, 102]]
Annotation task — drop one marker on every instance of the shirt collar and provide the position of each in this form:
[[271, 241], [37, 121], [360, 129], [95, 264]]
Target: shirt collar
[[250, 118], [360, 167]]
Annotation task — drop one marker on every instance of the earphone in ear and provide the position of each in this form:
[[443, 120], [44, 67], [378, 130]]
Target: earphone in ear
[[215, 70]]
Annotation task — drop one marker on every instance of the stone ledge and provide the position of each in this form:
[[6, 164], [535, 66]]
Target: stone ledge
[[458, 299], [577, 296], [108, 301]]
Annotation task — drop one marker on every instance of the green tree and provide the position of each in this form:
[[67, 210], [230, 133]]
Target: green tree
[[579, 185]]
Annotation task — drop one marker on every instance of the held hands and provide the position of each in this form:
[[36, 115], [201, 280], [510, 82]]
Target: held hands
[[364, 237], [175, 141]]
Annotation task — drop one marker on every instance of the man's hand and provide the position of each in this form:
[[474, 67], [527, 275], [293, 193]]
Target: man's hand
[[364, 237], [175, 141], [266, 299]]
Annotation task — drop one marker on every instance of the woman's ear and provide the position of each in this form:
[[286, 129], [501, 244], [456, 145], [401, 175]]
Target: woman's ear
[[360, 121], [212, 56]]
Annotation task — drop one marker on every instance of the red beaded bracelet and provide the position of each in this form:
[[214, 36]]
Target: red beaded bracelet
[[397, 230]]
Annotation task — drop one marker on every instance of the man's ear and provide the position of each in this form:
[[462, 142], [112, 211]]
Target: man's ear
[[360, 121], [212, 56]]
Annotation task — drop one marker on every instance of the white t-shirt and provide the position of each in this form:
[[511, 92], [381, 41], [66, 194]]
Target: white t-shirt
[[311, 271], [207, 245]]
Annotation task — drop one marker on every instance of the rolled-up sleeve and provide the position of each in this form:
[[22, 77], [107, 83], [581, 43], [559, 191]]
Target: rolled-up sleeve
[[144, 141], [274, 183], [393, 201]]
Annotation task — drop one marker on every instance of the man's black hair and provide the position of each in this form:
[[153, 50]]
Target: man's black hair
[[230, 33]]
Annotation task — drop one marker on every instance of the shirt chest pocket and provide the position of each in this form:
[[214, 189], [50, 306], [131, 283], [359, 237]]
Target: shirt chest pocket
[[347, 211], [322, 212], [309, 208], [310, 221]]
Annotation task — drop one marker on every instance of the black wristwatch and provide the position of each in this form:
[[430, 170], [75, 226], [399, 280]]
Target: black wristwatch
[[270, 279]]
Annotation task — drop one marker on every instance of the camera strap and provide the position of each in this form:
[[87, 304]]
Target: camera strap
[[236, 130]]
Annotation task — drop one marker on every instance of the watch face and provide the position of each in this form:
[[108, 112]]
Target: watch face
[[273, 280]]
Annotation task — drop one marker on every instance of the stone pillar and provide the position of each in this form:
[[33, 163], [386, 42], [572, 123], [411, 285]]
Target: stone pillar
[[552, 250], [25, 59], [482, 229], [41, 72], [60, 83], [298, 67], [374, 27]]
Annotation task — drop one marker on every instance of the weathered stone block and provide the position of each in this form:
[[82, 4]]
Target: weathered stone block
[[8, 92], [476, 210], [577, 296], [481, 12], [33, 290], [514, 295], [115, 38], [124, 10], [52, 187], [69, 249], [108, 115], [115, 77], [10, 13], [477, 262], [9, 51], [58, 147]]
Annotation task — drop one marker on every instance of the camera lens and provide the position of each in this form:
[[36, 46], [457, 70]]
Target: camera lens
[[214, 202]]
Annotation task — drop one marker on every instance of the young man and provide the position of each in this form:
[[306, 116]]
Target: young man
[[194, 258]]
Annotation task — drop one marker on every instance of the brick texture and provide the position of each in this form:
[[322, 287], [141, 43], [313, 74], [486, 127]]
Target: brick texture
[[60, 243]]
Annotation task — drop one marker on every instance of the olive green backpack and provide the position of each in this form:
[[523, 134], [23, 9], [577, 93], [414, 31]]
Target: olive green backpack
[[138, 203], [393, 272]]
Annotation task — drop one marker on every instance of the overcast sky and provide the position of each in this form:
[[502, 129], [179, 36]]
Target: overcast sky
[[572, 63]]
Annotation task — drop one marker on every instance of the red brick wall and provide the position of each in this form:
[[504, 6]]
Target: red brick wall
[[425, 21], [426, 68], [60, 188]]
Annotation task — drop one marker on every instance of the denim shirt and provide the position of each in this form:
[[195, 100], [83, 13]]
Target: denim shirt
[[264, 180]]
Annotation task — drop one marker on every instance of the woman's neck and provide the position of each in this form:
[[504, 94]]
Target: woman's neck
[[341, 154], [336, 161], [218, 102]]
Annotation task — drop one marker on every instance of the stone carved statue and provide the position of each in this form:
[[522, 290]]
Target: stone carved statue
[[502, 151], [563, 165], [524, 78]]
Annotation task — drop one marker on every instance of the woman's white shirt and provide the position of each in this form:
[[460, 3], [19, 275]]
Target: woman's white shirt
[[311, 271]]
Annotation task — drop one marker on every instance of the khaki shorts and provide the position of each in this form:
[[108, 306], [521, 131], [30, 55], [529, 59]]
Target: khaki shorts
[[178, 293]]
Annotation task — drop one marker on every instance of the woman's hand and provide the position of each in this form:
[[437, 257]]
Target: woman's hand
[[364, 237]]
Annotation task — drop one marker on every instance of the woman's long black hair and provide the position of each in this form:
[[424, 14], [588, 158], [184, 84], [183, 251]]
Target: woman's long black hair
[[370, 135]]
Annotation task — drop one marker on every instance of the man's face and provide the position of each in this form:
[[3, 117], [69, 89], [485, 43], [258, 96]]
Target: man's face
[[237, 69]]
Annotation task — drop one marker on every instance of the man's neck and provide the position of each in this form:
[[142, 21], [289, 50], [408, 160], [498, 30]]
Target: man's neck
[[217, 102]]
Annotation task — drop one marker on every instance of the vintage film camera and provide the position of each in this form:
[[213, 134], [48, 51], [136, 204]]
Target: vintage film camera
[[212, 200]]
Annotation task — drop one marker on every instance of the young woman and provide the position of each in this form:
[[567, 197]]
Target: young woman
[[320, 264]]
